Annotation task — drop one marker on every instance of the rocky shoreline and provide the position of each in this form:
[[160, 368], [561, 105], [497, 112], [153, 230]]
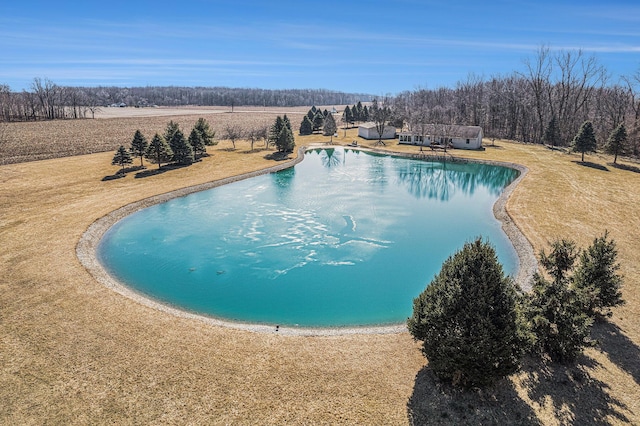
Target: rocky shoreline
[[87, 246]]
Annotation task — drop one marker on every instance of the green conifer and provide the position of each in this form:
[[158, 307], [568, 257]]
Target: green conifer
[[597, 278], [467, 319], [585, 140], [139, 145], [306, 127], [159, 150], [617, 142], [122, 158]]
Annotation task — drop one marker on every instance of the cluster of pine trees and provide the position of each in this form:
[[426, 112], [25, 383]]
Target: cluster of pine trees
[[585, 140], [316, 121], [476, 325], [357, 113], [281, 135], [170, 147]]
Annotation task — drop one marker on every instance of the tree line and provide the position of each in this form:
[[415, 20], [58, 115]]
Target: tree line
[[47, 100], [546, 102]]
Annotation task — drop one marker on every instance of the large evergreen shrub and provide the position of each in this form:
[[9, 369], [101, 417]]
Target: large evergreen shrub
[[467, 319], [596, 277], [555, 310]]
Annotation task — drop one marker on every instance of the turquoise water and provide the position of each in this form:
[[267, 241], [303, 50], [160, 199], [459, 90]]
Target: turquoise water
[[345, 238]]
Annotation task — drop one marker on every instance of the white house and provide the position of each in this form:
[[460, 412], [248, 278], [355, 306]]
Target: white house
[[369, 131], [461, 137]]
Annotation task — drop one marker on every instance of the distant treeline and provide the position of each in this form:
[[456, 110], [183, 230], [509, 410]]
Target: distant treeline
[[547, 102], [47, 101]]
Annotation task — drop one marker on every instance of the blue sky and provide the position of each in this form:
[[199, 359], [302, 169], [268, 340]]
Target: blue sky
[[376, 47]]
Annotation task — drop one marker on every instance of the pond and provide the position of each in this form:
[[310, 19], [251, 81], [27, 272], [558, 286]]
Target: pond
[[344, 238]]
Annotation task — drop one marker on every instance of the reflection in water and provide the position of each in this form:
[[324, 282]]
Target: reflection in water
[[442, 180], [323, 243], [283, 180], [330, 157]]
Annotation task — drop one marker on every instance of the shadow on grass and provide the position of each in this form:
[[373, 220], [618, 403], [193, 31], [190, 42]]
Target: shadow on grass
[[493, 146], [436, 403], [627, 167], [575, 396], [277, 156], [162, 169], [556, 148], [114, 177], [123, 172], [592, 165], [251, 151], [619, 348]]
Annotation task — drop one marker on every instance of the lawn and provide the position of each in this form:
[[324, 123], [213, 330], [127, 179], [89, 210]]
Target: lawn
[[74, 352]]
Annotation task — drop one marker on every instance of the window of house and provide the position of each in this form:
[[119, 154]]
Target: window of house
[[468, 141]]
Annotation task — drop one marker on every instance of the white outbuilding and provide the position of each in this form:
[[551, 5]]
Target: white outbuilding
[[461, 137], [369, 131]]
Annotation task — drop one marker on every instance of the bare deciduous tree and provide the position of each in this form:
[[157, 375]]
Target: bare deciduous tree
[[233, 132], [380, 114], [257, 133]]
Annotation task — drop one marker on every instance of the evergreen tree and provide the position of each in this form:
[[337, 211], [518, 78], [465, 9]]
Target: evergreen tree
[[358, 115], [306, 127], [597, 278], [139, 145], [365, 114], [285, 141], [330, 127], [275, 130], [159, 150], [121, 158], [617, 142], [355, 113], [169, 131], [555, 310], [206, 132], [318, 121], [286, 122], [552, 132], [182, 150], [197, 143], [347, 117], [585, 140], [310, 114], [467, 319]]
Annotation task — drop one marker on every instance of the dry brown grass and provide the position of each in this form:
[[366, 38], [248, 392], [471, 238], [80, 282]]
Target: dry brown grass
[[73, 351]]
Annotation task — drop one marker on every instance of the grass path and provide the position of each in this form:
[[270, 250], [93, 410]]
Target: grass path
[[72, 351]]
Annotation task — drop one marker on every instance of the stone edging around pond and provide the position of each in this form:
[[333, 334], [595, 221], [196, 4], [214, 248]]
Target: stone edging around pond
[[88, 244]]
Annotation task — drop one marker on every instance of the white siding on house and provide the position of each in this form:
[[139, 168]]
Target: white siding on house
[[369, 131], [461, 137], [409, 138]]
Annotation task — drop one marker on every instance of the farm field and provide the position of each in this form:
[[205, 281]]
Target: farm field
[[75, 352], [113, 127]]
